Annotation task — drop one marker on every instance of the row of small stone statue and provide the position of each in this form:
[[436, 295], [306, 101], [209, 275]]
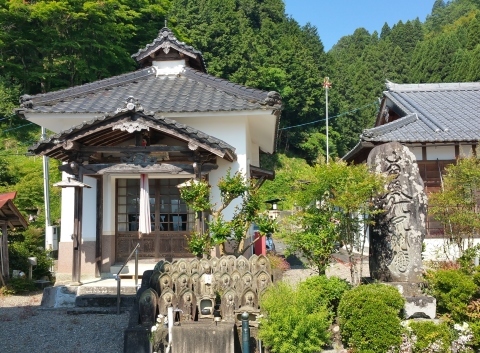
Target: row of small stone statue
[[199, 289]]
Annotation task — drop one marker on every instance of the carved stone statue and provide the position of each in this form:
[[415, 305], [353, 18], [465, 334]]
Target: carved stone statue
[[229, 305], [247, 281], [222, 266], [165, 281], [262, 264], [147, 306], [231, 259], [262, 281], [242, 265], [205, 266], [182, 284], [194, 265], [183, 267], [167, 299], [225, 282], [397, 236], [236, 282], [194, 282], [206, 285], [249, 300], [188, 306]]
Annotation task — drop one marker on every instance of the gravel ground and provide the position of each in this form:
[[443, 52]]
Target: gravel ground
[[26, 327]]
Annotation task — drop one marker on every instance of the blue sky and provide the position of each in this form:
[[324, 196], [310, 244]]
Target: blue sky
[[337, 18]]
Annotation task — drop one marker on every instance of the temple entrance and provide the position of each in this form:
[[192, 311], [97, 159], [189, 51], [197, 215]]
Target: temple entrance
[[171, 220]]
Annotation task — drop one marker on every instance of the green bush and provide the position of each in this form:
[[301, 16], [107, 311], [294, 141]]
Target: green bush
[[453, 289], [20, 251], [294, 320], [429, 336], [19, 286], [369, 318], [325, 290]]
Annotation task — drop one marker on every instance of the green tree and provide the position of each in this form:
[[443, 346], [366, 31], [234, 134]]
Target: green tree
[[456, 205], [229, 235], [337, 206]]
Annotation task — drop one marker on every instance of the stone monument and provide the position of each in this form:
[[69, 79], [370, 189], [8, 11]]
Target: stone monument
[[397, 235]]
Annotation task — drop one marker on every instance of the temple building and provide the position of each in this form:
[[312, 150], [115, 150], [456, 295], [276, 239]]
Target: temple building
[[147, 132]]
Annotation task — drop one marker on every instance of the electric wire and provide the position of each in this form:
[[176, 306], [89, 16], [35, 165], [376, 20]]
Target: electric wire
[[333, 117]]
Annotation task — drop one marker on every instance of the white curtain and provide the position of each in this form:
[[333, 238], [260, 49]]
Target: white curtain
[[144, 225]]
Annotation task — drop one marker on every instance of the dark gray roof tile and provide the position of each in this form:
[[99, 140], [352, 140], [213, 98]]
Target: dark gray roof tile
[[446, 112], [190, 91]]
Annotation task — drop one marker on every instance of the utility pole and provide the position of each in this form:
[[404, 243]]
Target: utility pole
[[326, 84]]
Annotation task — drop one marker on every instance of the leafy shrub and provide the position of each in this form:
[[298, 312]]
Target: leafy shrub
[[453, 289], [294, 320], [369, 318], [19, 286], [428, 336], [278, 262], [325, 290], [20, 251]]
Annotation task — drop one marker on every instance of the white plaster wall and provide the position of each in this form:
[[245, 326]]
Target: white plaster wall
[[440, 250], [57, 122], [67, 219], [233, 132], [89, 210], [465, 150], [440, 152], [417, 151], [108, 221], [255, 155]]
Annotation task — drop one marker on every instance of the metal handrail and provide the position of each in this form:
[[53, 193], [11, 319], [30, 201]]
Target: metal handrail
[[117, 276]]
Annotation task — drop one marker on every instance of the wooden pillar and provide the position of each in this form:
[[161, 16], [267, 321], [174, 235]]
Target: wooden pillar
[[4, 266], [77, 236]]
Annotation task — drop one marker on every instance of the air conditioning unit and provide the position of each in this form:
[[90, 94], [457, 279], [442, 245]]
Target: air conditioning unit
[[52, 237]]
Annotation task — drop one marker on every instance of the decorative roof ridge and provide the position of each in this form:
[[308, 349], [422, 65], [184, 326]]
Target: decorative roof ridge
[[27, 101], [165, 35], [432, 87], [369, 134], [271, 98]]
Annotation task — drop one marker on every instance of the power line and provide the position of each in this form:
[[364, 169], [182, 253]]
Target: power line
[[15, 128], [333, 117]]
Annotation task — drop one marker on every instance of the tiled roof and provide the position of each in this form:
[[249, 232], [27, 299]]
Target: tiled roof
[[9, 212], [443, 112], [4, 198], [217, 146], [165, 41], [188, 91]]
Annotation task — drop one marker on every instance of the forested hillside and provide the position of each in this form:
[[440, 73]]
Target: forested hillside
[[48, 45]]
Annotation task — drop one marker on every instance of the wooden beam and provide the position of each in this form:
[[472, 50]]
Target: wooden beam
[[133, 149], [168, 168]]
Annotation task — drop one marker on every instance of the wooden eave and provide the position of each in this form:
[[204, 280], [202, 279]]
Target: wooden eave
[[10, 215], [100, 137]]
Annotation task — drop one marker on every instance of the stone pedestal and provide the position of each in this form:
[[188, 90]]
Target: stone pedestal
[[420, 307], [417, 304]]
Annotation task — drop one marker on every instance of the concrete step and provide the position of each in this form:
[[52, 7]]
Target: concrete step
[[93, 294]]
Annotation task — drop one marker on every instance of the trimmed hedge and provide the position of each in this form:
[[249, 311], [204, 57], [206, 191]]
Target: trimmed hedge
[[369, 318]]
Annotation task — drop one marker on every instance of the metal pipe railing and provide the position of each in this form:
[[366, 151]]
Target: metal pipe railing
[[117, 276]]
